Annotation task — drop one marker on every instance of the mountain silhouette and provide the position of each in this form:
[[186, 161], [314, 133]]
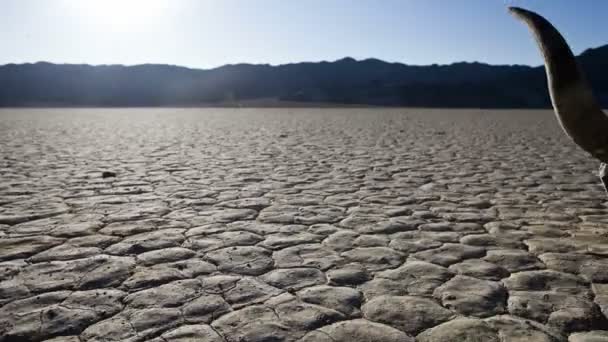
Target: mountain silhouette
[[345, 81]]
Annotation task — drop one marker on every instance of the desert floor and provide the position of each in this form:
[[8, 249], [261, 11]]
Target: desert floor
[[298, 225]]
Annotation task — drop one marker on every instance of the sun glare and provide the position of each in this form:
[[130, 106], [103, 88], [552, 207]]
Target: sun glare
[[122, 14]]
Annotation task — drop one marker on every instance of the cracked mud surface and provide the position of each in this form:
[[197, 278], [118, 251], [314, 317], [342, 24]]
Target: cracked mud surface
[[298, 225]]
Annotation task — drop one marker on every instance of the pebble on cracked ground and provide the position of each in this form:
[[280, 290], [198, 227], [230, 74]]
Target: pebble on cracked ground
[[298, 225]]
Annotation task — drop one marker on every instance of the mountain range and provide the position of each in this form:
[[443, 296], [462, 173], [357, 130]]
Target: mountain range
[[342, 82]]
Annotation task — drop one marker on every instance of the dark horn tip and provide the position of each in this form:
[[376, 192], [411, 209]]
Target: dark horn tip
[[536, 22], [520, 12], [515, 9]]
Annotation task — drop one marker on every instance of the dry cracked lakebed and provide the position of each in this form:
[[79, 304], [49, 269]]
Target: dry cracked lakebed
[[303, 225]]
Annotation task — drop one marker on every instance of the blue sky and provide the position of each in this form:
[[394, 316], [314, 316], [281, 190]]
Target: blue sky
[[204, 34]]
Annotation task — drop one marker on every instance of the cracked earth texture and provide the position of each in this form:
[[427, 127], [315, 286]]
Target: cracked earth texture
[[298, 225]]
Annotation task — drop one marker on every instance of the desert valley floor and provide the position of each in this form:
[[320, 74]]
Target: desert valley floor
[[303, 225]]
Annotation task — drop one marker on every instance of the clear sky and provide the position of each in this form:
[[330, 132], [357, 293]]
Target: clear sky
[[206, 33]]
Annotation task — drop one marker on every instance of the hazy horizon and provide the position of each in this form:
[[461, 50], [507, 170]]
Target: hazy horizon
[[262, 63], [287, 63], [209, 34]]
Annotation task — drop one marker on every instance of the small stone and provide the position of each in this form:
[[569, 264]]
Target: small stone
[[108, 174]]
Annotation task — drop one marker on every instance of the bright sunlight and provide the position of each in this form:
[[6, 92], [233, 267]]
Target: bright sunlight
[[121, 14]]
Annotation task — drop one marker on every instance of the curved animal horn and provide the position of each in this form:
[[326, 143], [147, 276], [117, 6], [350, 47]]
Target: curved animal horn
[[575, 106]]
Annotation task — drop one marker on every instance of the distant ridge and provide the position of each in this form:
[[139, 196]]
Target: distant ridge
[[344, 81]]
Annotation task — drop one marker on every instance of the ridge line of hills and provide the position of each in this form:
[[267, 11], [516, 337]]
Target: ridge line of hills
[[342, 82]]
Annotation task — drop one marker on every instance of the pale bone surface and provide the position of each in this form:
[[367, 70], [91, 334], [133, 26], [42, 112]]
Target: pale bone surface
[[298, 225]]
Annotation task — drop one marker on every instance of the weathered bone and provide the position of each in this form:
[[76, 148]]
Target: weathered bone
[[576, 108]]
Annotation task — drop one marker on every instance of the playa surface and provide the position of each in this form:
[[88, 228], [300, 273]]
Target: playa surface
[[298, 225]]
